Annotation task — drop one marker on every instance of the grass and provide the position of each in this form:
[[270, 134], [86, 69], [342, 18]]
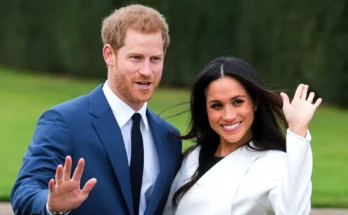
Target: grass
[[24, 97]]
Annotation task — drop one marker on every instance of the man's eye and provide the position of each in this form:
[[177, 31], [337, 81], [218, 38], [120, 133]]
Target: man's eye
[[156, 59], [136, 57]]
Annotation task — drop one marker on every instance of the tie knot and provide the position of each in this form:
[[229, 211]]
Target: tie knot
[[136, 119]]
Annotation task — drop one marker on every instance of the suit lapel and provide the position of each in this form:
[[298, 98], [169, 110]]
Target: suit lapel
[[163, 162], [111, 138]]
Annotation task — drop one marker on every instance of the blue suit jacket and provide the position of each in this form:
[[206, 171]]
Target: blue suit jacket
[[85, 127]]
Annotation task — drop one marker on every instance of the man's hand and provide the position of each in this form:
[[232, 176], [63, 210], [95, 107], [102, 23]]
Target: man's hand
[[300, 111], [64, 192]]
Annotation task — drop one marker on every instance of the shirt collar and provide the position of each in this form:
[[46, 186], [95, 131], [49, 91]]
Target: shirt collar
[[116, 104]]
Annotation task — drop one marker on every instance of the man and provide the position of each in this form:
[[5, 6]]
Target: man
[[131, 154]]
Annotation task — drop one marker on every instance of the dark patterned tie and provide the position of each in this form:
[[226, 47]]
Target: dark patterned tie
[[137, 161]]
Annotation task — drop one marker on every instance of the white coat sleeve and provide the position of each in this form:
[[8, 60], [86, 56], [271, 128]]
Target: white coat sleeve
[[169, 208], [293, 194]]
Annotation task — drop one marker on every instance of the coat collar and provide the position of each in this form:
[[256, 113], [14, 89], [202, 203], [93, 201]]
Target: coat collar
[[223, 178]]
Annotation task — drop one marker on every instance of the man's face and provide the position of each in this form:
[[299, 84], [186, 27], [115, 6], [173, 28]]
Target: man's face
[[138, 67]]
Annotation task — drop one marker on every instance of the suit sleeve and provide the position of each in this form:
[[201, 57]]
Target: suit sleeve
[[50, 145], [293, 195]]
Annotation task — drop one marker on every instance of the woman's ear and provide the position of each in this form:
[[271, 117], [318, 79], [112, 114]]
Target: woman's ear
[[256, 104]]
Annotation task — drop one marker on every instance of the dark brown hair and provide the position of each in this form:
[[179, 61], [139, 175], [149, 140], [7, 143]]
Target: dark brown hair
[[269, 123]]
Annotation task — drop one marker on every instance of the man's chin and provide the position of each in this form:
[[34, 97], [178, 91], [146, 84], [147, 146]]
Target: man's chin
[[142, 98], [145, 99]]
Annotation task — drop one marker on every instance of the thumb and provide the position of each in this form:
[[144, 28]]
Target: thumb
[[88, 187], [285, 98]]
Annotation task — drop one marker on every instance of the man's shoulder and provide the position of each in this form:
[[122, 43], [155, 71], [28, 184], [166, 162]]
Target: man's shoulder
[[75, 107], [79, 103], [66, 112], [72, 105], [164, 123]]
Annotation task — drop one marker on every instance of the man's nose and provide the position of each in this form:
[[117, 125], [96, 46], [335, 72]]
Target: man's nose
[[146, 69]]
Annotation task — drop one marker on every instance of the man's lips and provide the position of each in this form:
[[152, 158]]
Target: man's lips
[[144, 84]]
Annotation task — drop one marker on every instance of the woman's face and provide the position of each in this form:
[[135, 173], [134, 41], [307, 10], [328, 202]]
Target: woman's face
[[230, 110]]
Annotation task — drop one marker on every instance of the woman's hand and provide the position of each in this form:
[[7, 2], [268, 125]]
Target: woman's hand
[[300, 111]]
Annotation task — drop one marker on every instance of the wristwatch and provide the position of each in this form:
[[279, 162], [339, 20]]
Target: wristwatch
[[60, 213], [56, 213]]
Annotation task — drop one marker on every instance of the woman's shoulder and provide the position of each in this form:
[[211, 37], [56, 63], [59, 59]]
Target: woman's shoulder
[[269, 155], [192, 153], [190, 160], [272, 153], [273, 157]]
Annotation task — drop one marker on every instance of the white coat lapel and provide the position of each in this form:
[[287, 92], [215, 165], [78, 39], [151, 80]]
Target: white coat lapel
[[214, 192]]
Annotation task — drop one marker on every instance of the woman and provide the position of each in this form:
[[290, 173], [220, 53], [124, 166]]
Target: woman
[[252, 153]]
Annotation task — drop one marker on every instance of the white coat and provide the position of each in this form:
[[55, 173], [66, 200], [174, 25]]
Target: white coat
[[248, 182]]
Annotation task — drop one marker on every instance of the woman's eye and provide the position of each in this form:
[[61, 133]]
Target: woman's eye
[[215, 106], [238, 102]]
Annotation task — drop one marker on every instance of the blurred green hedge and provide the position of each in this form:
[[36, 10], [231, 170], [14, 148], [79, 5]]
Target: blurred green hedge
[[287, 41]]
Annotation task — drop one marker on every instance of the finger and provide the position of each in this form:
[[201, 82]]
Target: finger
[[59, 174], [88, 187], [285, 98], [51, 185], [298, 91], [67, 168], [79, 170], [311, 97], [317, 103], [304, 92]]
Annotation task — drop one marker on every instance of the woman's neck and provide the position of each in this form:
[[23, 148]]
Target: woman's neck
[[225, 148]]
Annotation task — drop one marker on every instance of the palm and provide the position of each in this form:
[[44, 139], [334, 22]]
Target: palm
[[301, 109], [65, 194]]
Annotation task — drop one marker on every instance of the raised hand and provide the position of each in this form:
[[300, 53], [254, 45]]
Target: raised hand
[[64, 192], [300, 111]]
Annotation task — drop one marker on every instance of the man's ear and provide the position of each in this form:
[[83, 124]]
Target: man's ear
[[109, 55]]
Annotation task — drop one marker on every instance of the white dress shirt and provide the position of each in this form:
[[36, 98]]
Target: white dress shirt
[[123, 115]]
